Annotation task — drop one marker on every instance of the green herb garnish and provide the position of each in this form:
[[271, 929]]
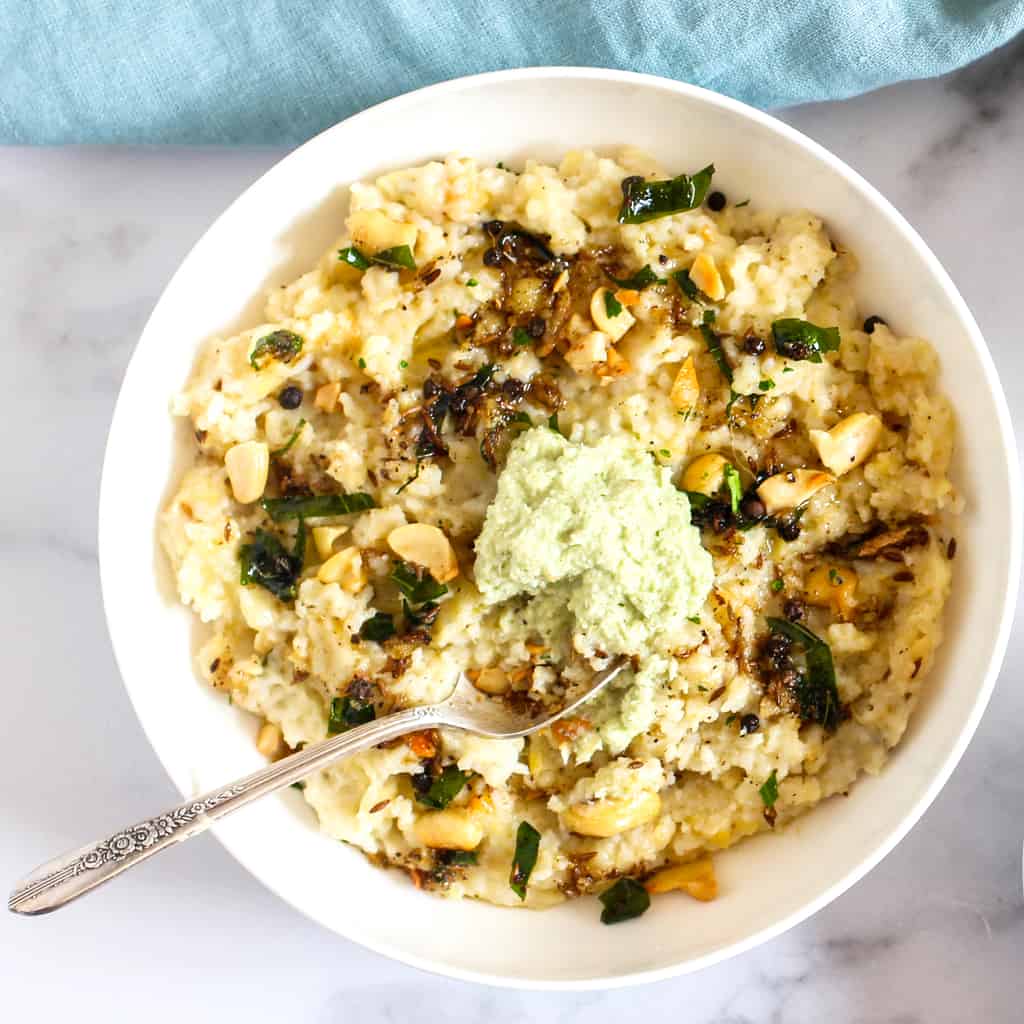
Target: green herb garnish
[[415, 588], [640, 280], [458, 858], [834, 578], [378, 627], [316, 506], [282, 345], [419, 466], [687, 287], [346, 712], [472, 282], [444, 789], [521, 338], [714, 346], [746, 202], [553, 424], [398, 258], [267, 563], [354, 258], [695, 619], [765, 385], [770, 790], [816, 692], [798, 339], [647, 200], [524, 859], [612, 306], [733, 486], [291, 440], [776, 586], [522, 418], [626, 899]]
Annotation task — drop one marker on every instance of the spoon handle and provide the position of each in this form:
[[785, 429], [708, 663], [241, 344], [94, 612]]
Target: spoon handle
[[65, 878]]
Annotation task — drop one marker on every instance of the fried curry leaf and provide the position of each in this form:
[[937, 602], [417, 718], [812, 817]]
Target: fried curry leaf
[[687, 287], [354, 258], [640, 280], [770, 790], [267, 563], [647, 200], [612, 306], [378, 627], [398, 258], [714, 346], [291, 440], [315, 506], [626, 899], [816, 693], [733, 486], [798, 339], [281, 345], [346, 712], [416, 588], [457, 858], [524, 859], [444, 789]]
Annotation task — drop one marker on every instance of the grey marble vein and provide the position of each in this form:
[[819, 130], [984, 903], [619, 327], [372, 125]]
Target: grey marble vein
[[935, 934]]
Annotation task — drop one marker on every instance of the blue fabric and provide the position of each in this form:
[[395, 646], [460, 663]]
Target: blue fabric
[[278, 71]]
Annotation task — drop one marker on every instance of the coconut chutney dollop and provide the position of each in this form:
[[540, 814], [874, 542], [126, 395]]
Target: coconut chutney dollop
[[597, 538]]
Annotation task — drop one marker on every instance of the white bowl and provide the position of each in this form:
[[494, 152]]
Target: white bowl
[[275, 231]]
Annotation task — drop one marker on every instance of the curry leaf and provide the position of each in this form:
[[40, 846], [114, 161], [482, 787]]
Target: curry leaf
[[524, 859], [770, 790], [281, 345], [444, 789], [647, 200], [267, 563], [315, 506], [398, 258], [640, 280], [291, 440], [346, 712], [415, 587], [378, 627], [798, 339], [817, 694], [626, 899], [354, 258]]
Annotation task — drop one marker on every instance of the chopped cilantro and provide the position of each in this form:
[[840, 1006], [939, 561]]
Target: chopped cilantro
[[776, 586], [444, 789], [766, 385]]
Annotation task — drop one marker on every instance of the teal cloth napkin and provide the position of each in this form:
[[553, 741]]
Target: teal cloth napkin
[[278, 71]]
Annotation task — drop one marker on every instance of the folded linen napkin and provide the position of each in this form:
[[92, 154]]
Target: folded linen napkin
[[278, 71]]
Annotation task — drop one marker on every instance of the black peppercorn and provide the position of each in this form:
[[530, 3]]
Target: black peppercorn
[[718, 517], [290, 397], [789, 529], [492, 258], [536, 327], [748, 724], [753, 345], [793, 610], [716, 201], [752, 507], [872, 322], [777, 650]]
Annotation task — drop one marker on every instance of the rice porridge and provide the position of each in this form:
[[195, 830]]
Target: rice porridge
[[518, 422]]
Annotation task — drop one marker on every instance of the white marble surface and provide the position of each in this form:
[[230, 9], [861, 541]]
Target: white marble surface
[[90, 236]]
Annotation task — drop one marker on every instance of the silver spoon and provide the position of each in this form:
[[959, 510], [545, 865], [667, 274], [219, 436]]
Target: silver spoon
[[65, 878]]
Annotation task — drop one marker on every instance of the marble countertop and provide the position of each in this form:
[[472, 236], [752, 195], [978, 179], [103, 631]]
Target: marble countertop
[[933, 934]]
